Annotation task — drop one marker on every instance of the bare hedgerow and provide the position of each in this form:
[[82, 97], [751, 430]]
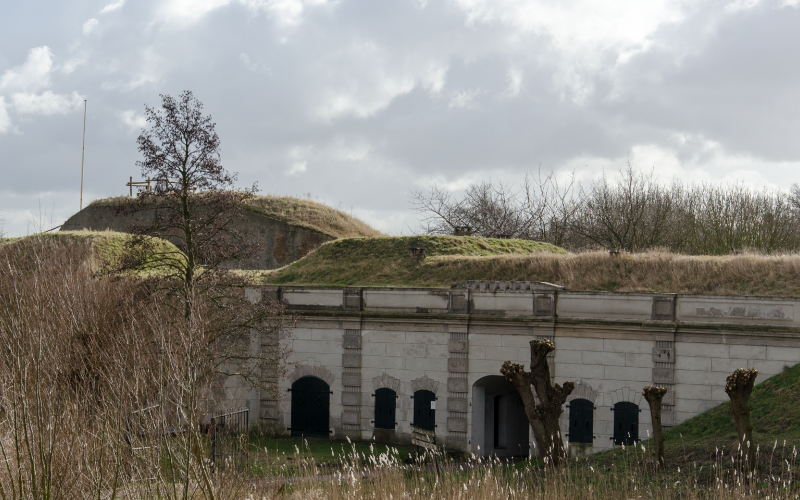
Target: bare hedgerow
[[633, 213]]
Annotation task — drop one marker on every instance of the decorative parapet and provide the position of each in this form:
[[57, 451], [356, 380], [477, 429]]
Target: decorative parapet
[[507, 286]]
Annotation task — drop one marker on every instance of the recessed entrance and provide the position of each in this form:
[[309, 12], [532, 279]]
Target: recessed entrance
[[499, 424], [310, 407]]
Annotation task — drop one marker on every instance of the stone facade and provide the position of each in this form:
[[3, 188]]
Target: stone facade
[[611, 344]]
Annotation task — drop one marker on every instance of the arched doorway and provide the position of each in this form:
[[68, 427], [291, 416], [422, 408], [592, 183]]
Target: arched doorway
[[626, 423], [385, 406], [310, 407], [499, 424]]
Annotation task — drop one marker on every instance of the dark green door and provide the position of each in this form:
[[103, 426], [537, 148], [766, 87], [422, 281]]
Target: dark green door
[[310, 407], [626, 423], [424, 410], [385, 406], [581, 421]]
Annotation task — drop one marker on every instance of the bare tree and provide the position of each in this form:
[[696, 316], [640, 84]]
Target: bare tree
[[654, 395], [632, 215], [195, 206], [543, 417], [739, 386]]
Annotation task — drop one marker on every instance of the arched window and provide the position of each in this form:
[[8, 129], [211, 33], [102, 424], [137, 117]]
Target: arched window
[[425, 410], [385, 406], [310, 407], [581, 421], [626, 423]]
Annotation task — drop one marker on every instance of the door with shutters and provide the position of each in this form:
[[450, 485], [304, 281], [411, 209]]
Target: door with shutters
[[310, 407], [385, 406], [425, 410], [581, 421], [626, 423]]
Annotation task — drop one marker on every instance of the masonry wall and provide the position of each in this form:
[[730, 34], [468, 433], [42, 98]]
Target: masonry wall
[[611, 345]]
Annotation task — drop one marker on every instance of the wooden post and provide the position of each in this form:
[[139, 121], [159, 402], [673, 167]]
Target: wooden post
[[131, 185], [83, 153]]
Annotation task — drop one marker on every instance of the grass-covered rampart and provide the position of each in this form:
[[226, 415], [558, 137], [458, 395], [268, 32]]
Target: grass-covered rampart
[[296, 211], [386, 261], [450, 259]]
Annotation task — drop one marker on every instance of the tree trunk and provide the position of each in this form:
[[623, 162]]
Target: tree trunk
[[654, 395], [544, 416], [739, 386]]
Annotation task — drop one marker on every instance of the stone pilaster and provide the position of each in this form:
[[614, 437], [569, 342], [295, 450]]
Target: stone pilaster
[[351, 382], [457, 402]]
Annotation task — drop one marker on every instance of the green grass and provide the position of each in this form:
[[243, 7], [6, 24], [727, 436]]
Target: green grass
[[107, 246], [282, 456], [698, 441], [385, 261]]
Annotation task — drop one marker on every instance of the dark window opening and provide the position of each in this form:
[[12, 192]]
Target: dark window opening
[[581, 421], [626, 423], [424, 412], [385, 407]]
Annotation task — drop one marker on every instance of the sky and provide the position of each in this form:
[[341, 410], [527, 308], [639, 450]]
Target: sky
[[357, 103]]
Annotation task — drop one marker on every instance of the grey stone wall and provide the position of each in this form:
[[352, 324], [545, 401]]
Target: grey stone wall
[[283, 243]]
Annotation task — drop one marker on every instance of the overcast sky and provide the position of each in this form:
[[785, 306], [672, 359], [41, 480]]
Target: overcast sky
[[357, 102]]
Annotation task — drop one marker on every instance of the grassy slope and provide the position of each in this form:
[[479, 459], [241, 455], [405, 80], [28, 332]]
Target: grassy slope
[[385, 261], [107, 244], [697, 442], [297, 211]]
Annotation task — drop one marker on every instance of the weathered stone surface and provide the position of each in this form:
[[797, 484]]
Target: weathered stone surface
[[663, 308], [458, 345], [350, 417], [458, 404], [351, 360], [458, 365], [663, 354], [351, 398], [663, 375], [351, 342], [457, 424], [457, 385], [543, 305], [351, 379]]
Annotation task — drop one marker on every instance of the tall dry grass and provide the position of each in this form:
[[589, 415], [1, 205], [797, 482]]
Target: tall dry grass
[[662, 272]]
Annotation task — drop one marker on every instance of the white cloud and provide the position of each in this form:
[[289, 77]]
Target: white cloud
[[514, 78], [464, 98], [89, 26], [286, 13], [296, 168], [258, 67], [189, 11], [32, 75], [46, 103], [132, 120], [5, 120], [740, 5], [113, 6]]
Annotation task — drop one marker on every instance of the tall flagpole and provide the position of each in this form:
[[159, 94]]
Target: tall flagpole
[[83, 154]]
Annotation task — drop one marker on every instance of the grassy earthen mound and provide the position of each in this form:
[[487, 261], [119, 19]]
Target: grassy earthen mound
[[384, 262], [297, 211]]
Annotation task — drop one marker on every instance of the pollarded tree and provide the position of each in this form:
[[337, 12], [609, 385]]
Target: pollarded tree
[[543, 416], [739, 386], [654, 395]]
